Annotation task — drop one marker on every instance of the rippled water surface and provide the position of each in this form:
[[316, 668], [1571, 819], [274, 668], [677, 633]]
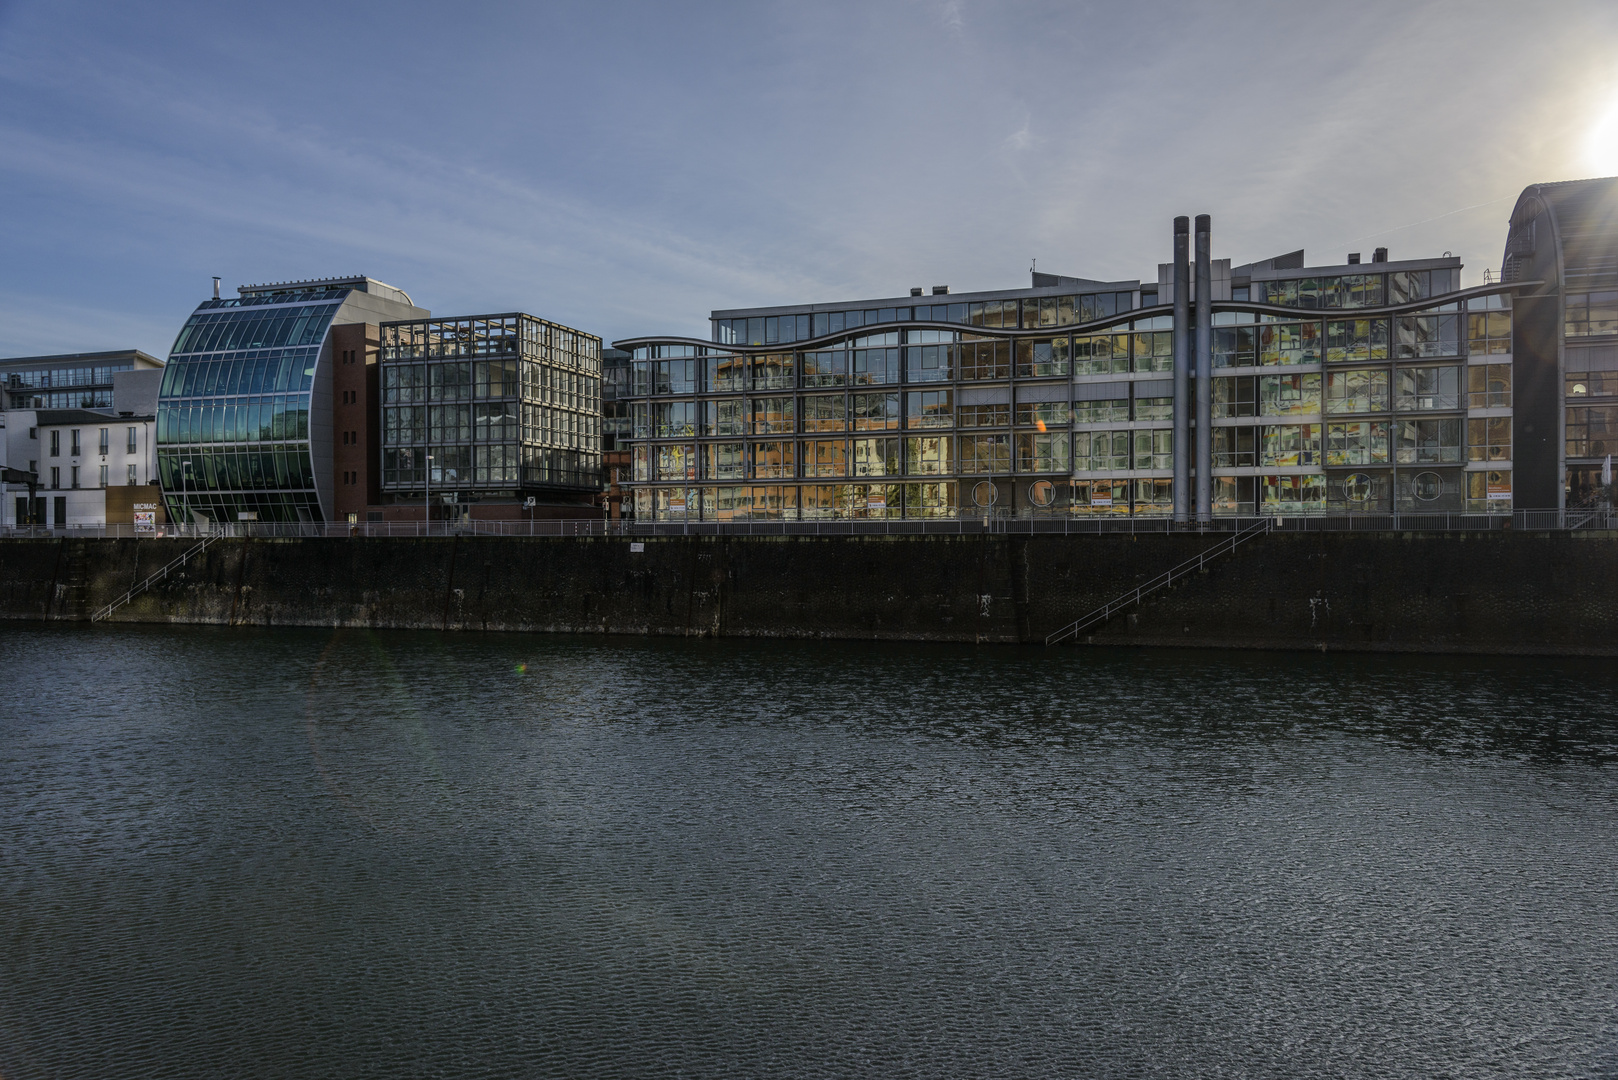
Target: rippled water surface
[[346, 854]]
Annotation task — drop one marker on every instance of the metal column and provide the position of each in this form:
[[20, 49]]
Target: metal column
[[1182, 371], [1204, 462]]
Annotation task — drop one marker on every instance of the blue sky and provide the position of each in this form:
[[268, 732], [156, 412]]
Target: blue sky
[[625, 168]]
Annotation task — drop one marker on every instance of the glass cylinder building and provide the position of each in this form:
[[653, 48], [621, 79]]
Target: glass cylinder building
[[244, 419]]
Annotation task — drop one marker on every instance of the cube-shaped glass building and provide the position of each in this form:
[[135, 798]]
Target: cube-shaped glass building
[[490, 406]]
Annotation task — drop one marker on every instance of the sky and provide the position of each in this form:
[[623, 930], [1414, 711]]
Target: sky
[[624, 168]]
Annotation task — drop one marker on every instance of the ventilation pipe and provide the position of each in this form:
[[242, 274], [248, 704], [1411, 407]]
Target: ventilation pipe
[[1204, 372], [1182, 370], [216, 288]]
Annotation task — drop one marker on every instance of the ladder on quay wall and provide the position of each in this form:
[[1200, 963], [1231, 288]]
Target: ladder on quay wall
[[168, 568], [1136, 595]]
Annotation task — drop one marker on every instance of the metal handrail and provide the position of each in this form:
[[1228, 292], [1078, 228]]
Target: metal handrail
[[1040, 524], [1135, 595], [106, 612]]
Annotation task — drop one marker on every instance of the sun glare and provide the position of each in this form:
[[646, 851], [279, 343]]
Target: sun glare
[[1601, 146]]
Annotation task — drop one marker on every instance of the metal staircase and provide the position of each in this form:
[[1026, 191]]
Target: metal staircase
[[168, 568], [1104, 613]]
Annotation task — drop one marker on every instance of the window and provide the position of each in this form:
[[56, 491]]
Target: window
[[103, 480], [1289, 343], [1425, 388], [825, 412], [1235, 397], [56, 475], [1356, 340], [1233, 447], [1427, 335], [1040, 358], [131, 445], [1153, 449], [1235, 346], [1292, 444], [981, 360], [825, 457], [1591, 384], [1591, 313], [672, 462], [1488, 333], [1042, 451], [76, 449], [104, 443], [985, 454], [1104, 411], [825, 368], [1102, 354], [723, 461], [878, 457], [1488, 386], [1357, 391], [1489, 490], [1154, 351], [982, 415], [1362, 442], [773, 461], [873, 367], [1428, 442], [75, 476], [1592, 431], [1294, 493], [771, 371], [56, 443], [1488, 439], [928, 456], [875, 412], [1101, 451], [1289, 395], [1043, 415], [132, 476], [772, 416], [929, 409], [725, 417]]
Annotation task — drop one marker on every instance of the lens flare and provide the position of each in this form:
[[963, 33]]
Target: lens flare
[[522, 669], [1601, 145]]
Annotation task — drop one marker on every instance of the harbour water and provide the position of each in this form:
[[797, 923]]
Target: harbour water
[[314, 853]]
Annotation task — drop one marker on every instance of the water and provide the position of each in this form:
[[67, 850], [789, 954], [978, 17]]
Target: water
[[310, 854]]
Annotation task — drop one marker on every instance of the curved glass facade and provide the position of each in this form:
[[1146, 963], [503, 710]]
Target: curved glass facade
[[233, 421]]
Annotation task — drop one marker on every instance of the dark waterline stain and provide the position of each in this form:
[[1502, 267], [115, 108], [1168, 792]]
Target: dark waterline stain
[[345, 853]]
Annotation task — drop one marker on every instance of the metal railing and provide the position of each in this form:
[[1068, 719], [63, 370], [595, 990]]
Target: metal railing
[[1134, 596], [160, 575], [1051, 524]]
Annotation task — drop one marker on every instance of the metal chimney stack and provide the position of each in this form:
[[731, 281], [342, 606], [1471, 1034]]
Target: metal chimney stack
[[1182, 371], [1204, 372], [216, 288]]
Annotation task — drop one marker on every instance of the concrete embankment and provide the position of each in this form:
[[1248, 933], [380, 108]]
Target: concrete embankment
[[1501, 592]]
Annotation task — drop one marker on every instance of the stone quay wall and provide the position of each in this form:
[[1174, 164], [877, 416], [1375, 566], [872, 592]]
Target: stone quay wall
[[1531, 593]]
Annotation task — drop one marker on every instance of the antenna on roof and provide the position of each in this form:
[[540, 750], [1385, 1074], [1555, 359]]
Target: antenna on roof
[[216, 288]]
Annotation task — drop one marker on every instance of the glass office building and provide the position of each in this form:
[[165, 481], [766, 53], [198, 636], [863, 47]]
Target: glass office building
[[490, 407], [1360, 386], [69, 381], [244, 422]]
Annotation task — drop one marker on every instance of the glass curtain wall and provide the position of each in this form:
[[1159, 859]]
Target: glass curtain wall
[[493, 404], [233, 410]]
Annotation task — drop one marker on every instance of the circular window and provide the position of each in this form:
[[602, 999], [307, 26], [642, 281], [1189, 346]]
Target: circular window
[[985, 493], [1427, 486], [1357, 488], [1042, 493]]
